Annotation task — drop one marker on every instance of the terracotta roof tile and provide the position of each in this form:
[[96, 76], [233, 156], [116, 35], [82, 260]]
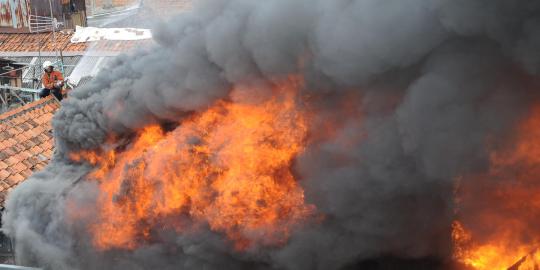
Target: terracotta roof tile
[[27, 163], [26, 141], [11, 160], [4, 174], [15, 179], [19, 167], [33, 160], [30, 42], [26, 173], [39, 166]]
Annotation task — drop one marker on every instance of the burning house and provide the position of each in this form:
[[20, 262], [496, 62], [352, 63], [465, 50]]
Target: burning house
[[303, 134]]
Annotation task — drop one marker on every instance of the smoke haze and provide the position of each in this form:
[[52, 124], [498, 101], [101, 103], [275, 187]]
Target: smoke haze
[[413, 89]]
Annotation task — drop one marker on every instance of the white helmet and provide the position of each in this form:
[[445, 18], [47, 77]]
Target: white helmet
[[47, 64]]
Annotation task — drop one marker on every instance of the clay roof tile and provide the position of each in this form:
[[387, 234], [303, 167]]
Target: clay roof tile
[[26, 141]]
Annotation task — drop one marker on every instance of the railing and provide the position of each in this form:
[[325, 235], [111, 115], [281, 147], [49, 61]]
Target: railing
[[40, 24]]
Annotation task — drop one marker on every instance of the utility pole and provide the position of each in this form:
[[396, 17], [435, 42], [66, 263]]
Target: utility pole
[[53, 28]]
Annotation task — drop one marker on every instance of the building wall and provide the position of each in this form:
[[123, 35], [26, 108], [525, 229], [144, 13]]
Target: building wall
[[13, 13], [42, 8]]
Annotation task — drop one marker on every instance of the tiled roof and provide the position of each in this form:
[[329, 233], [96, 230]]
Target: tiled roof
[[26, 142], [30, 42]]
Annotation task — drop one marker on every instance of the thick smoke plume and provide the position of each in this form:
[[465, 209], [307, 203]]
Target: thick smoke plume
[[411, 90]]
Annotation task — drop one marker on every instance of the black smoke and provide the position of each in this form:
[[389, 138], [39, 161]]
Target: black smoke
[[428, 81]]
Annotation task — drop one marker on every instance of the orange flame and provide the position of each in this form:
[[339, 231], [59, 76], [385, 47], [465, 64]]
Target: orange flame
[[228, 168], [503, 233], [502, 253]]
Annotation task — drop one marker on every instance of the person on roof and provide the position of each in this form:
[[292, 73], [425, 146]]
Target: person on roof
[[52, 81]]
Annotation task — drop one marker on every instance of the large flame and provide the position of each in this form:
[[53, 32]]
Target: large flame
[[504, 252], [503, 207], [227, 168]]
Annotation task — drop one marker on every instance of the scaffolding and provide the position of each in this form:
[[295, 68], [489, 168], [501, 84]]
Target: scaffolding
[[11, 95], [43, 24]]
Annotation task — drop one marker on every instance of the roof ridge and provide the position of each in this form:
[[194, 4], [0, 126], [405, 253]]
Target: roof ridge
[[12, 113]]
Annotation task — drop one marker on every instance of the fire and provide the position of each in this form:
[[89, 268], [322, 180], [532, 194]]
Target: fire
[[500, 254], [503, 207], [227, 168]]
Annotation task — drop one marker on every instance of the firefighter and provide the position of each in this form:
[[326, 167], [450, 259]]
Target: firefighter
[[52, 81]]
